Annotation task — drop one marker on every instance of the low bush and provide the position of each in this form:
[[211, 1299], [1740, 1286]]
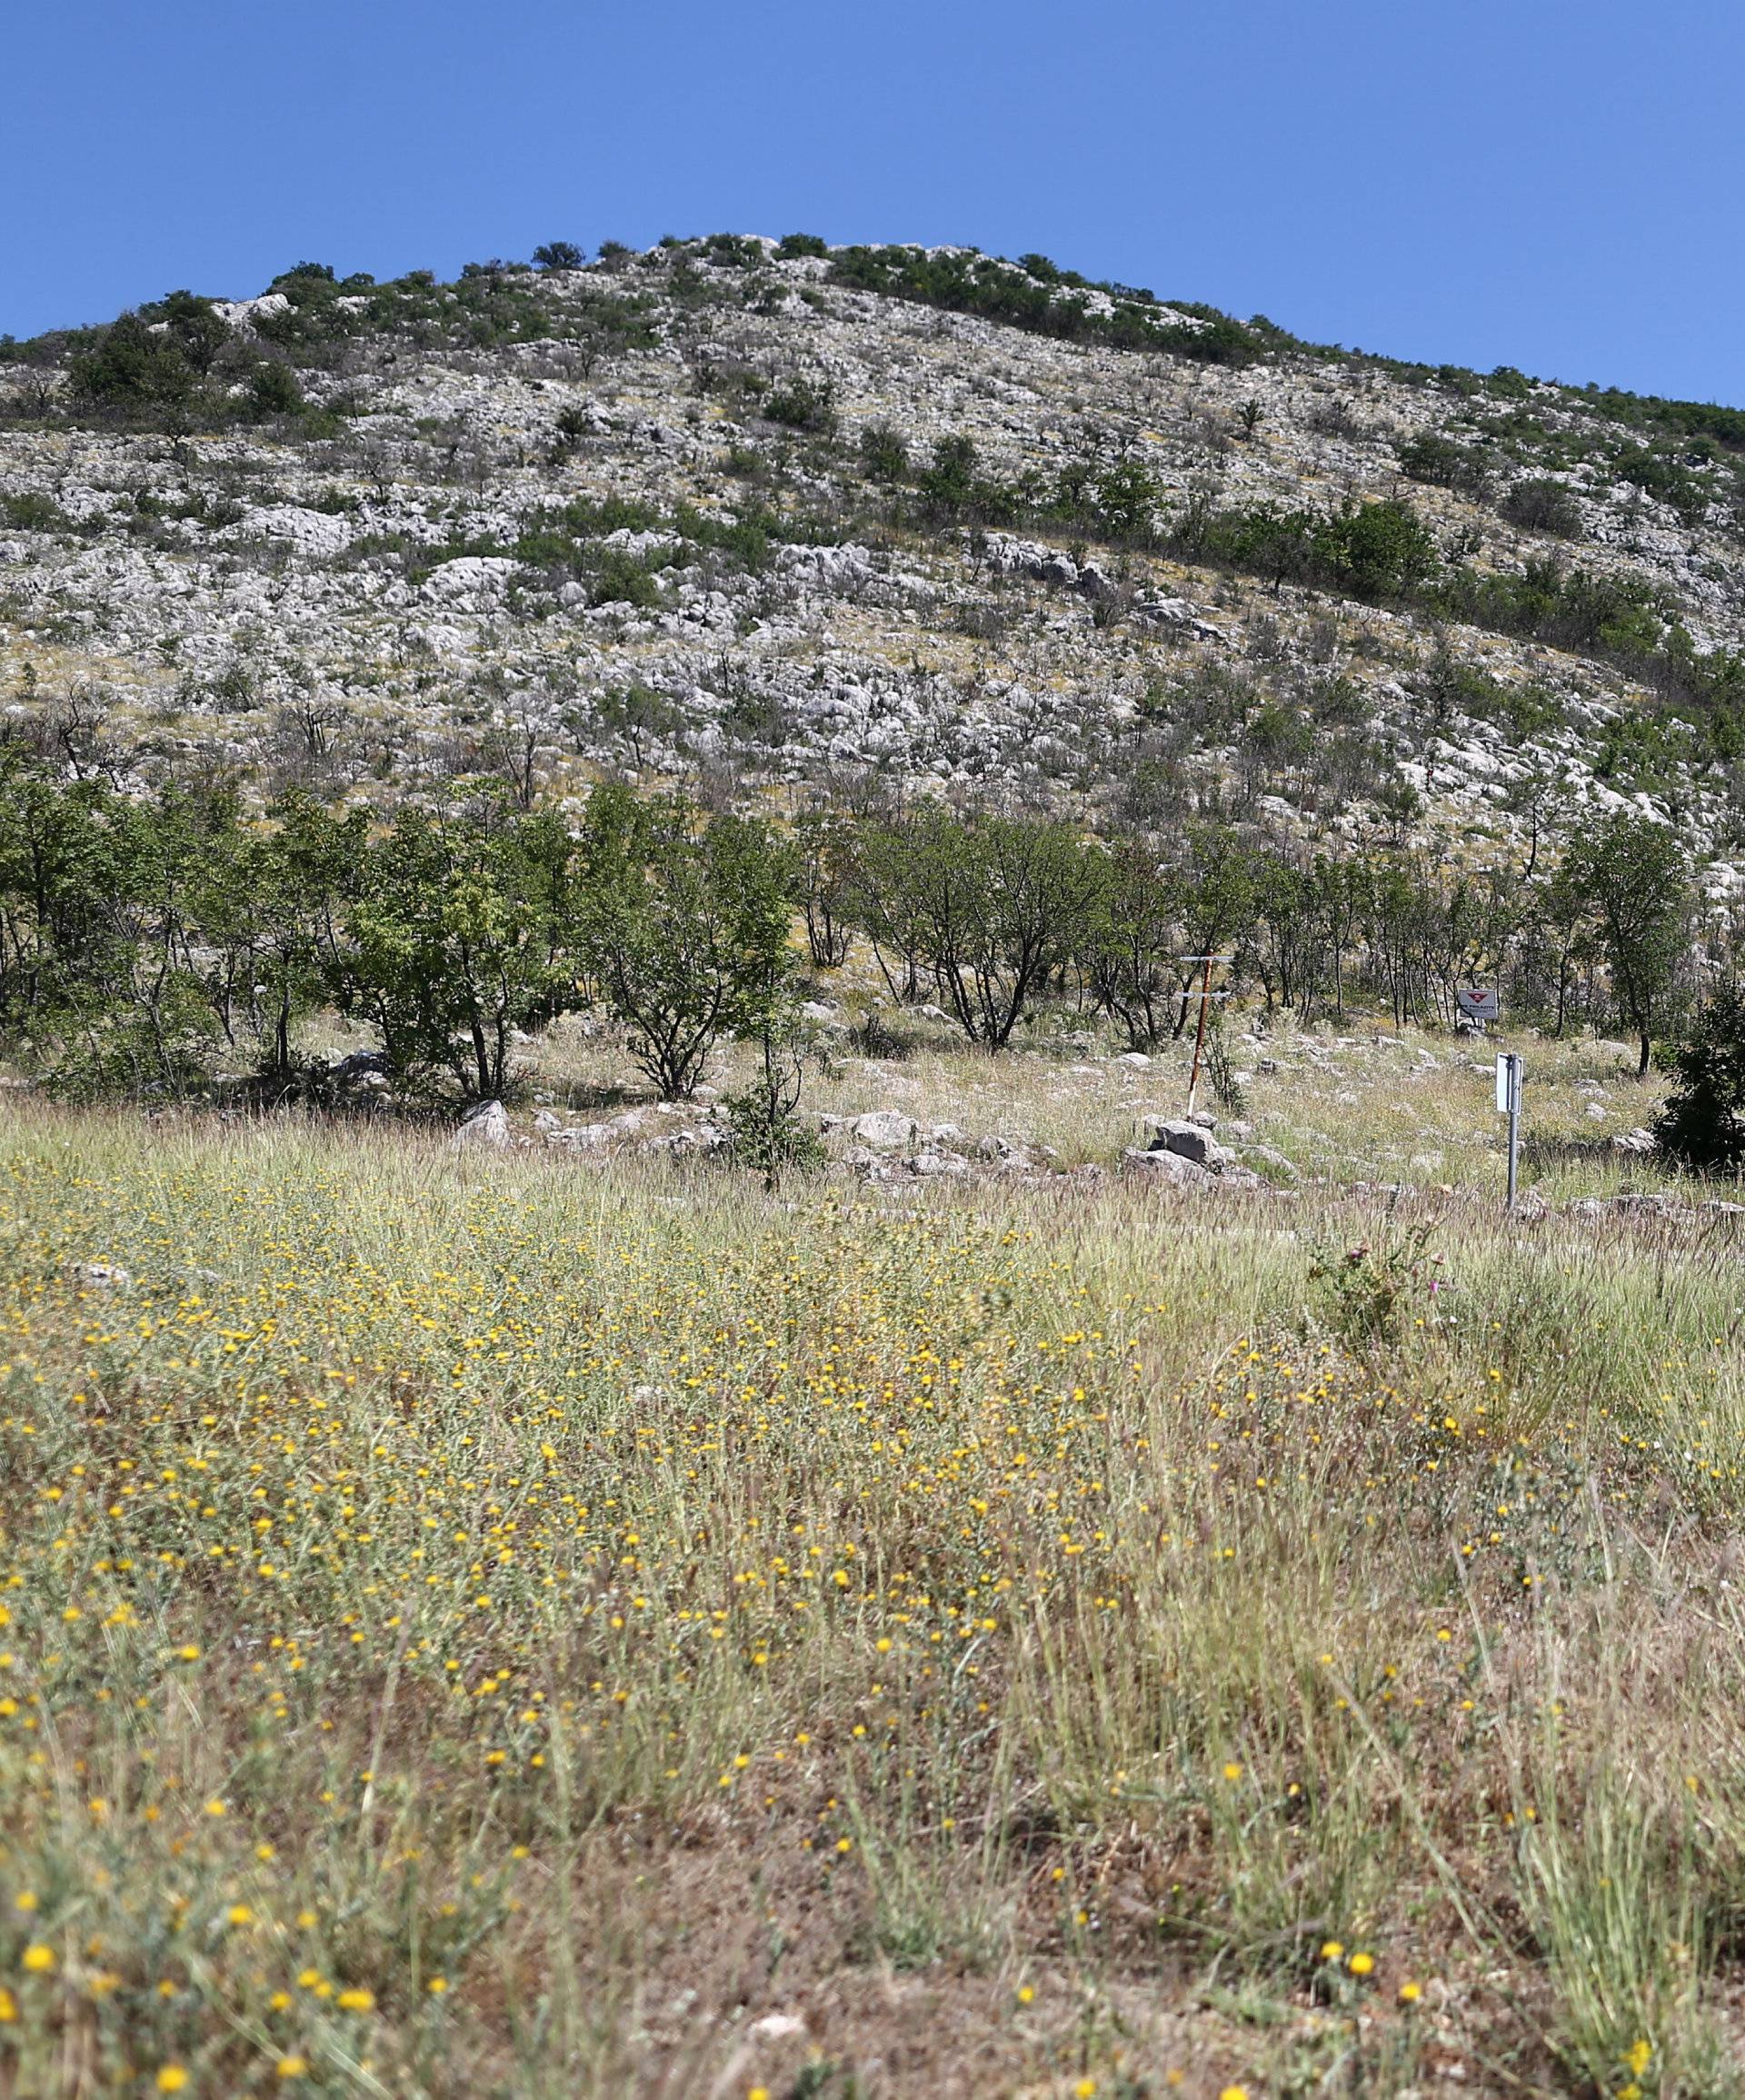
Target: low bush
[[1541, 505]]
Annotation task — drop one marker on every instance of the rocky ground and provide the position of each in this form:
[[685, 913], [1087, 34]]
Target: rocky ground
[[1367, 1110]]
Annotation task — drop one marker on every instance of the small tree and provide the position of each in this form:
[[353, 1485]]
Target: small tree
[[989, 909], [450, 944], [824, 840], [558, 255], [1632, 873], [1131, 955], [764, 1128], [1702, 1125], [133, 369], [683, 929]]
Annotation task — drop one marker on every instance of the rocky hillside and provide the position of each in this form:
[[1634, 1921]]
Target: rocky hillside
[[779, 520]]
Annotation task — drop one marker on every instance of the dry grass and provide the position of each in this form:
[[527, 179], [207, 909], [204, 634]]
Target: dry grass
[[1015, 1634], [1367, 1103]]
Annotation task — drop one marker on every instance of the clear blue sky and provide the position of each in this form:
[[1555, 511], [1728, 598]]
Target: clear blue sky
[[1541, 183]]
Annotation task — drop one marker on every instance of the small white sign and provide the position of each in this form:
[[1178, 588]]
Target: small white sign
[[1509, 1066], [1479, 1005]]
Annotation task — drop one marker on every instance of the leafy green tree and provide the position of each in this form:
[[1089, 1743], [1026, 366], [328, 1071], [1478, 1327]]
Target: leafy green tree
[[1130, 957], [1379, 549], [1702, 1125], [271, 920], [142, 1022], [131, 369], [823, 847], [558, 255], [992, 908], [1633, 874], [681, 927], [198, 330], [450, 944], [1126, 498], [63, 862]]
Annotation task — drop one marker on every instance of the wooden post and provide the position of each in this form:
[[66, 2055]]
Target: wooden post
[[1206, 996]]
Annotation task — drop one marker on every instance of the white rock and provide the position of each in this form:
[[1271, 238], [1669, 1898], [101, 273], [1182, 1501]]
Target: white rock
[[469, 578], [1191, 1141], [104, 1276], [1166, 1166], [886, 1129], [776, 2028], [486, 1124]]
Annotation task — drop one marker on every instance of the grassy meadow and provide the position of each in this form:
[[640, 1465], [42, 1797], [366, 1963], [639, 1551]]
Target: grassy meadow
[[527, 1626]]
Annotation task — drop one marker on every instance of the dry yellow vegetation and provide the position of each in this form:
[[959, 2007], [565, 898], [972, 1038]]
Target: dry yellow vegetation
[[478, 1625]]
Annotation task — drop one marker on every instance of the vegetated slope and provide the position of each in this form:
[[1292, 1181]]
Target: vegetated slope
[[853, 521]]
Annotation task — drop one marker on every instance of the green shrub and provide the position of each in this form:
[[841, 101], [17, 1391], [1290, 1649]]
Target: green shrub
[[1542, 505], [883, 454], [1371, 550], [1667, 480], [1702, 1125], [132, 369], [792, 244], [32, 512], [621, 577], [1441, 462], [273, 389], [804, 404], [1037, 296], [765, 1129], [952, 488]]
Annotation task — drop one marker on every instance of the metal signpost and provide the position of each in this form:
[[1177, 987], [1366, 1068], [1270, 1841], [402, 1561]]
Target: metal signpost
[[1509, 1072], [1206, 996]]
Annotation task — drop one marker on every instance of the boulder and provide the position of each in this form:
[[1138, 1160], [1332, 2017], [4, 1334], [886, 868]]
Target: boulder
[[886, 1129], [359, 1065], [580, 1137], [1190, 1141], [1163, 1165], [470, 581], [486, 1123], [933, 1163]]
